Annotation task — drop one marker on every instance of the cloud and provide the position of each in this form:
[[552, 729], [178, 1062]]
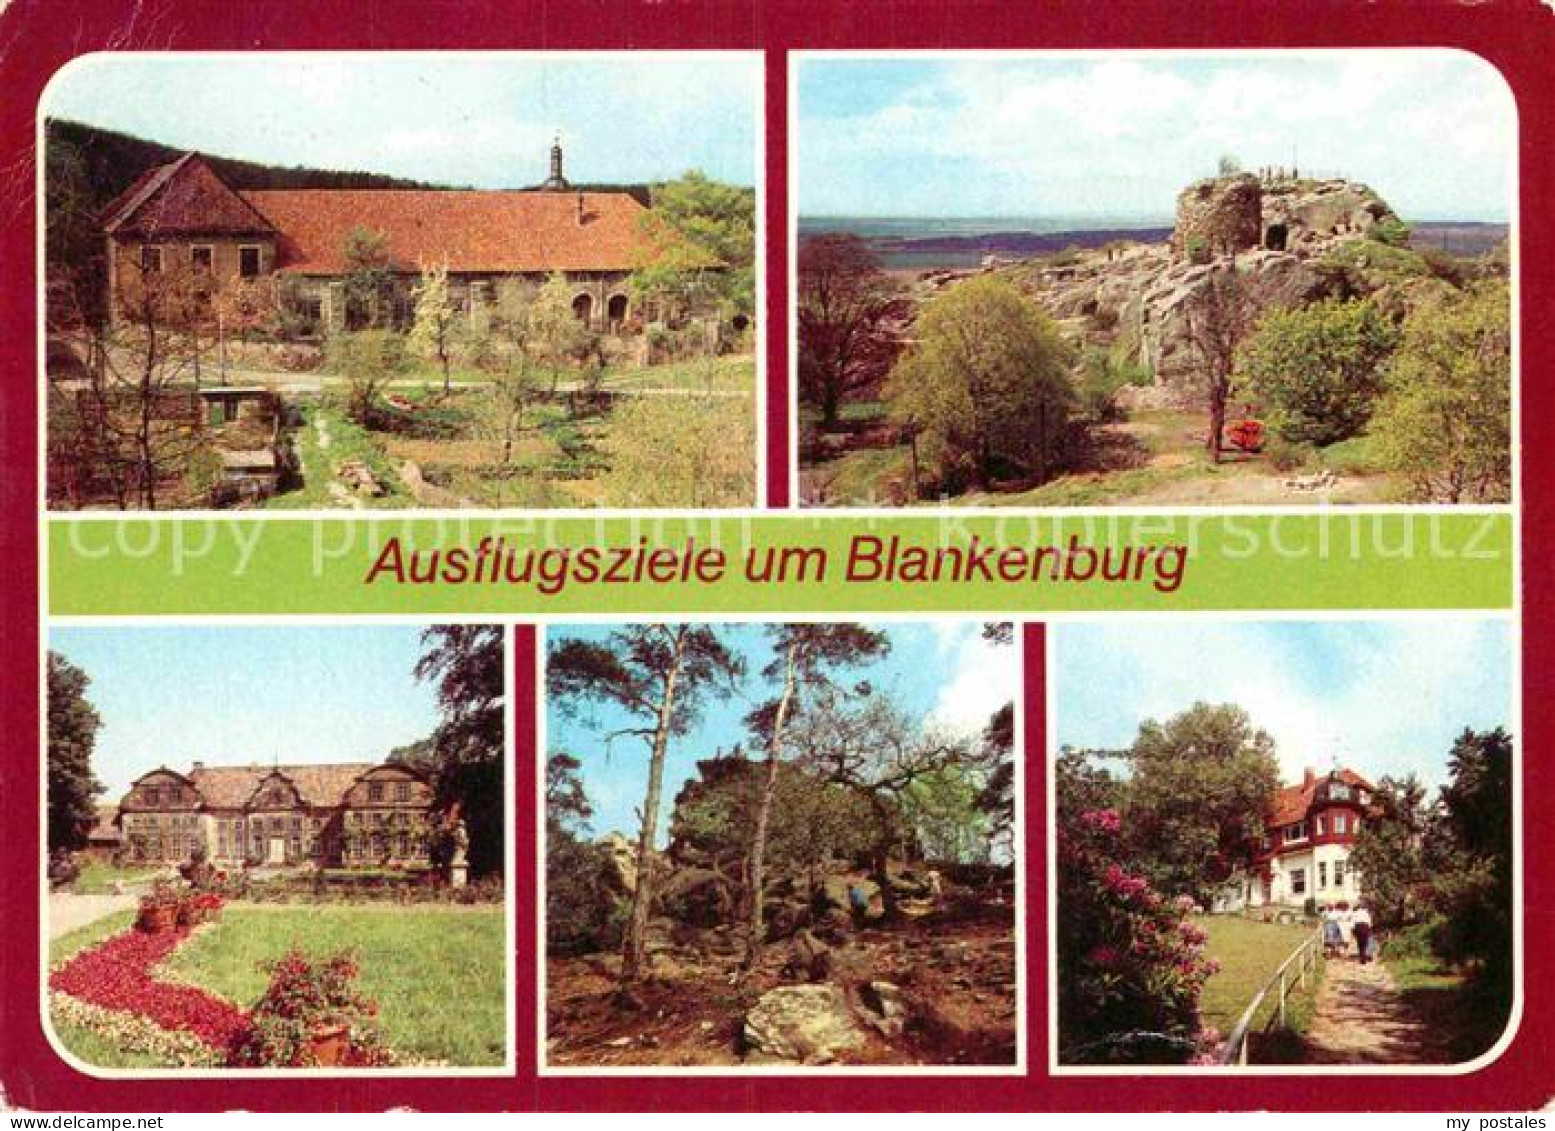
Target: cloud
[[1430, 130], [986, 677], [1382, 697]]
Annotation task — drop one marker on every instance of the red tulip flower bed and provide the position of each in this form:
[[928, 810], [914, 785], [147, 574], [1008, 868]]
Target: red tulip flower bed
[[117, 975]]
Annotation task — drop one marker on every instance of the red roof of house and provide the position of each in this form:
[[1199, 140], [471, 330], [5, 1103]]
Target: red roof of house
[[1292, 803], [230, 787], [182, 198], [472, 231]]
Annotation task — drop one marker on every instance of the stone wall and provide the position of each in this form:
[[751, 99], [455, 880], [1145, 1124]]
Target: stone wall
[[1220, 215]]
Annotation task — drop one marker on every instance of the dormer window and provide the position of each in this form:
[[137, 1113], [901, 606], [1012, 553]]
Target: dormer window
[[1296, 832], [375, 791], [153, 795], [1340, 822], [1322, 826], [1338, 791]]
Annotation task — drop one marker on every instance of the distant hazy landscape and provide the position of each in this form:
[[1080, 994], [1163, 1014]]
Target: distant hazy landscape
[[937, 243]]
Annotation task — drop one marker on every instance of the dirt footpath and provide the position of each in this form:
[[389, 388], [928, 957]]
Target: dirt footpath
[[68, 912]]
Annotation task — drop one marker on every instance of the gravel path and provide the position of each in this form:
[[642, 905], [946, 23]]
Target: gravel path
[[1360, 1017], [67, 912]]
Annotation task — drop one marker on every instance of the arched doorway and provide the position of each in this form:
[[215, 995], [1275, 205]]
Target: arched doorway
[[615, 311], [583, 309], [1274, 239]]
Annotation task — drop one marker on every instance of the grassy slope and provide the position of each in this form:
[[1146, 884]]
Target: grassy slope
[[437, 973], [1469, 1021], [1249, 953]]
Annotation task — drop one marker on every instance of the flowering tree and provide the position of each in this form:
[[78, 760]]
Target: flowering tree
[[1131, 964]]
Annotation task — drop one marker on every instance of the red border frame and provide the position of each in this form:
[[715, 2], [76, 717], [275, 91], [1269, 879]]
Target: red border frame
[[38, 36]]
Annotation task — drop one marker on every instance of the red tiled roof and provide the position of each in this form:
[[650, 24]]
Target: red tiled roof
[[1291, 803], [472, 231], [182, 198], [230, 787]]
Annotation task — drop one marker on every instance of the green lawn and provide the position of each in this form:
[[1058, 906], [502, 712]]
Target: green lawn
[[89, 935], [1249, 953], [98, 878], [437, 973], [1469, 1019], [719, 373]]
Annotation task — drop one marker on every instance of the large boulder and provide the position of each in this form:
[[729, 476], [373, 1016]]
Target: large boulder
[[621, 855], [1306, 216], [801, 1025]]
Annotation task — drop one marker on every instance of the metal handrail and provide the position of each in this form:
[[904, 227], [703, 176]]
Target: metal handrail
[[1305, 958]]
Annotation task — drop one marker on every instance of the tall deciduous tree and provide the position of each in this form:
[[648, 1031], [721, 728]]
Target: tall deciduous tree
[[844, 301], [700, 246], [73, 725], [1390, 854], [467, 661], [1446, 424], [660, 675], [1218, 317], [986, 388], [1197, 796], [1319, 369], [805, 658]]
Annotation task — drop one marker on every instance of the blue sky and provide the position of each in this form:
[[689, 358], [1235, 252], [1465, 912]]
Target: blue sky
[[233, 695], [1387, 697], [1120, 135], [943, 670], [483, 121]]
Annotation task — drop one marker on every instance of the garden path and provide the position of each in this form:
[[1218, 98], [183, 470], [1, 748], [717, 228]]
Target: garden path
[[1361, 1017], [68, 911]]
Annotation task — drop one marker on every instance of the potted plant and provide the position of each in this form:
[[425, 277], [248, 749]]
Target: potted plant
[[312, 1016], [158, 909]]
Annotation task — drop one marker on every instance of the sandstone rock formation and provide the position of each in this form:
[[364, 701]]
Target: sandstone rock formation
[[801, 1025], [1219, 216]]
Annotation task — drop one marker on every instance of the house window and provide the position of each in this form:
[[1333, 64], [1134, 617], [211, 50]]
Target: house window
[[153, 795], [375, 791], [1340, 824], [248, 262], [1338, 873], [1298, 831], [1322, 826], [1340, 792], [150, 259], [1298, 881], [202, 259], [402, 791], [1322, 874]]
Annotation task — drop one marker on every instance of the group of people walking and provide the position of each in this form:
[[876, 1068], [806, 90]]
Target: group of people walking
[[1345, 926]]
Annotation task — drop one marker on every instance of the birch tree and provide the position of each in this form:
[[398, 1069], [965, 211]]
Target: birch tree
[[805, 659]]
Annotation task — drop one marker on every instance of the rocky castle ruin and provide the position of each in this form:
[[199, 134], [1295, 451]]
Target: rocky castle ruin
[[1275, 227]]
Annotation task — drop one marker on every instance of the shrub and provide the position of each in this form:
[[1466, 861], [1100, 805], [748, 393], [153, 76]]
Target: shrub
[[1392, 231], [1319, 368], [1102, 376], [1130, 963], [305, 999], [680, 451], [1284, 456]]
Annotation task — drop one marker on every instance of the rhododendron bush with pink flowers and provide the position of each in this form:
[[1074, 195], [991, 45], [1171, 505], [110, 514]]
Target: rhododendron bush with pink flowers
[[1131, 963]]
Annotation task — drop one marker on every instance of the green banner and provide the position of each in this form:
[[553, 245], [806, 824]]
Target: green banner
[[780, 563]]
